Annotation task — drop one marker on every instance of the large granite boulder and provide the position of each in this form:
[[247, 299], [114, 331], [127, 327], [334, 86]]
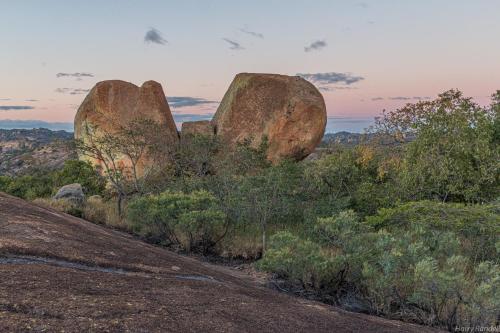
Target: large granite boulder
[[72, 193], [114, 105], [288, 110]]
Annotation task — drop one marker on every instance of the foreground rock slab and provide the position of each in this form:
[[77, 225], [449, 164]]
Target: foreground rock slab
[[61, 273], [288, 110]]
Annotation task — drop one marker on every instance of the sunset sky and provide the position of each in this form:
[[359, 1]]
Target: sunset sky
[[364, 55]]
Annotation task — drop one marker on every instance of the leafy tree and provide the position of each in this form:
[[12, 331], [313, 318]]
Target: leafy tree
[[452, 155], [364, 178], [269, 196], [120, 154], [75, 171]]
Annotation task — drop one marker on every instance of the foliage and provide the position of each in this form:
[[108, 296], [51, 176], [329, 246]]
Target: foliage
[[452, 155], [192, 220], [43, 183], [428, 262], [196, 156], [28, 187], [297, 259], [75, 171], [364, 178], [270, 195], [477, 226], [120, 154]]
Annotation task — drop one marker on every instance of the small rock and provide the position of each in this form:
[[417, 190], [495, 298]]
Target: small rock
[[72, 192]]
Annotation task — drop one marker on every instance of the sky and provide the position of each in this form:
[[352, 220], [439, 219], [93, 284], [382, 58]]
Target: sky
[[364, 56]]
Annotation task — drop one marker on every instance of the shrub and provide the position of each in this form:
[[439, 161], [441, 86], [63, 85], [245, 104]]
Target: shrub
[[30, 187], [428, 262], [83, 173], [297, 259], [477, 226], [193, 221]]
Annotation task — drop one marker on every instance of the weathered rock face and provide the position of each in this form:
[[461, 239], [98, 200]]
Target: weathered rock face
[[288, 110], [113, 105], [201, 127], [72, 193]]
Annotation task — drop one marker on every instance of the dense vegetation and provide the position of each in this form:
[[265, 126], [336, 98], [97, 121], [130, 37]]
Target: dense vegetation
[[405, 224]]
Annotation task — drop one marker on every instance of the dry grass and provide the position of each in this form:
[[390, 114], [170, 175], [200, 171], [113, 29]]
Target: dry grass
[[94, 209], [61, 205]]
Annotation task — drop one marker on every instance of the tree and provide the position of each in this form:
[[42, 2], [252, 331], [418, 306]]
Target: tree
[[120, 154], [75, 171], [452, 154], [270, 195]]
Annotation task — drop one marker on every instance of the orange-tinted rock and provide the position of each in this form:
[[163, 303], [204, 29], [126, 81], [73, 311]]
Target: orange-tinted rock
[[113, 105], [201, 127], [288, 110]]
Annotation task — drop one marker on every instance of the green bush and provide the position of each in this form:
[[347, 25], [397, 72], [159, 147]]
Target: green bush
[[453, 154], [193, 221], [297, 259], [29, 187], [428, 262], [476, 226], [83, 173]]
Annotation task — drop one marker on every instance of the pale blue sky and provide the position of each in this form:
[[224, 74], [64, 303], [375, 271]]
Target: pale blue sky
[[401, 49]]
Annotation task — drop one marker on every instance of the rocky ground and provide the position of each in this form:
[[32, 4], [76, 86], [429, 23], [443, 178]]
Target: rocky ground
[[23, 150], [60, 273]]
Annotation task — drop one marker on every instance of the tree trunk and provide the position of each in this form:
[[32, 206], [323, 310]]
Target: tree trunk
[[263, 240], [119, 205]]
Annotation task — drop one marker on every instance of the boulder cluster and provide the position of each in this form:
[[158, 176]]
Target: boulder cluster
[[287, 110]]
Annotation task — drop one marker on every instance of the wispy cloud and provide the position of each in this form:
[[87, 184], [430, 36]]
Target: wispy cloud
[[315, 46], [4, 99], [180, 118], [72, 91], [330, 88], [15, 107], [31, 100], [252, 33], [154, 36], [400, 98], [75, 75], [362, 4], [332, 78], [233, 45], [185, 101]]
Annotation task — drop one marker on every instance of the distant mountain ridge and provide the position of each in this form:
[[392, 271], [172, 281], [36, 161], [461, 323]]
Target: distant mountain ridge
[[22, 150]]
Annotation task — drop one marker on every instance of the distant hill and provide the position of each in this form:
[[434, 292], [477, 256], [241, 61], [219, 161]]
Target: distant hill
[[344, 138], [22, 150]]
